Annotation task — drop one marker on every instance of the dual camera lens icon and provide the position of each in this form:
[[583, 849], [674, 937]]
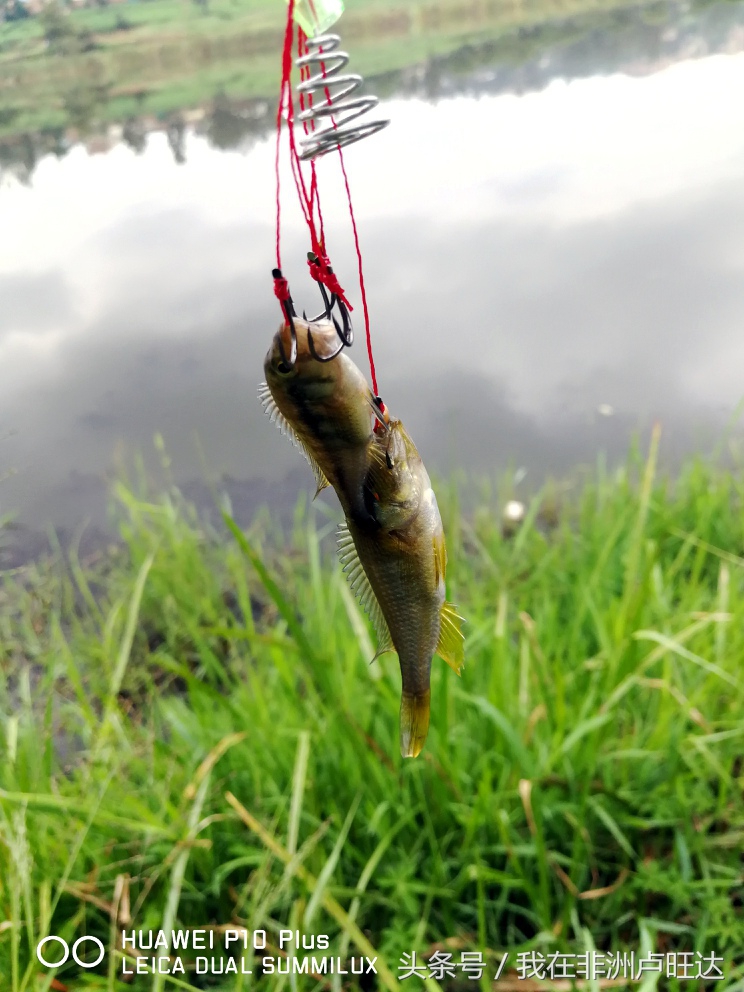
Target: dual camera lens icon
[[66, 951]]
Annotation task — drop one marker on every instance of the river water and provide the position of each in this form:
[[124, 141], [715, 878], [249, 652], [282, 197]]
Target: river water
[[554, 258]]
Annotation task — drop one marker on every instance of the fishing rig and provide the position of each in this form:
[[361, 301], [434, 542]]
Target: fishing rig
[[337, 104], [328, 115]]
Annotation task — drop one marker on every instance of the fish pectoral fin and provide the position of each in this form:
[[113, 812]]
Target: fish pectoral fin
[[414, 722], [276, 416], [360, 586], [451, 644], [383, 649]]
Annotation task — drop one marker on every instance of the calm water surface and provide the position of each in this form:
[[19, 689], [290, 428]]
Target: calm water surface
[[547, 270]]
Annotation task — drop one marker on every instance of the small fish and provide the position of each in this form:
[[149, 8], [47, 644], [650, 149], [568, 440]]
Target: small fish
[[392, 544], [326, 408], [397, 565]]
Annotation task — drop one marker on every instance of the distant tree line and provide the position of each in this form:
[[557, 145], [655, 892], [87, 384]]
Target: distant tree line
[[13, 10], [227, 123], [61, 34]]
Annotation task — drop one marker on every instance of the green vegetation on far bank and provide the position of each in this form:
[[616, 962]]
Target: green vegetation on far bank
[[191, 735], [158, 56]]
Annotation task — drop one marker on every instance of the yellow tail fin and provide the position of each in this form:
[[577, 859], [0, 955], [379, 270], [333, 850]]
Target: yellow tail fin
[[414, 723]]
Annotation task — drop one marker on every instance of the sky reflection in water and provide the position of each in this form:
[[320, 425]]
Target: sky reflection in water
[[528, 259]]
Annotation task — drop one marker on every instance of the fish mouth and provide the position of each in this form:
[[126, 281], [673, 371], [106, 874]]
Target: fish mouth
[[314, 342], [321, 339]]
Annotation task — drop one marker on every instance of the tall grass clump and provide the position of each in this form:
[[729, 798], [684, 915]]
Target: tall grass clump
[[193, 736]]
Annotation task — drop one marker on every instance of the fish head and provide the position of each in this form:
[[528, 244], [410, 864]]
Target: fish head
[[316, 393], [396, 478], [278, 365], [321, 394]]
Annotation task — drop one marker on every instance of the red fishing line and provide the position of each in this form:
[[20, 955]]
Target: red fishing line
[[309, 127], [319, 265], [283, 97], [361, 272]]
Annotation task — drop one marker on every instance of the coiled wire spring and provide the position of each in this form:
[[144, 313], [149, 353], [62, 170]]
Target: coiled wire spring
[[335, 88]]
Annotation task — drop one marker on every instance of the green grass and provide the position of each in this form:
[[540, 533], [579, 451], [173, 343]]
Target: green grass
[[146, 17], [192, 735]]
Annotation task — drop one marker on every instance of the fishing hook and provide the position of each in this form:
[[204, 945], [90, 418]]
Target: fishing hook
[[290, 362], [289, 313], [345, 334], [329, 305], [378, 407], [344, 330]]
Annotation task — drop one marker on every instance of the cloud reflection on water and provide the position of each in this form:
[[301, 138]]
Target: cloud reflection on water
[[528, 258]]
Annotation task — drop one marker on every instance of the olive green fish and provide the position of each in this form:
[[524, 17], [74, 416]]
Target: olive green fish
[[326, 408], [392, 544], [397, 564]]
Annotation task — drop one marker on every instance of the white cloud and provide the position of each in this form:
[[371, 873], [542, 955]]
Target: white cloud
[[577, 151]]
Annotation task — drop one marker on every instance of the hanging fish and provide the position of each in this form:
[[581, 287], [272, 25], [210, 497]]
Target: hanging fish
[[392, 544], [396, 564]]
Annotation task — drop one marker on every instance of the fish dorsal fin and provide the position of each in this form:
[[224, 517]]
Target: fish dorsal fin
[[276, 416], [360, 586], [451, 640]]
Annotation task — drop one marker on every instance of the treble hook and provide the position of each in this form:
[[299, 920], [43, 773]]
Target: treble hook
[[344, 330], [345, 333], [317, 267], [289, 313], [326, 358], [329, 305], [289, 363]]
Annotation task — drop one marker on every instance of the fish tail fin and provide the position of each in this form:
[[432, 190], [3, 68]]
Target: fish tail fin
[[414, 722]]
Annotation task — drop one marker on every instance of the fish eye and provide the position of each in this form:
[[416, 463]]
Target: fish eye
[[283, 369]]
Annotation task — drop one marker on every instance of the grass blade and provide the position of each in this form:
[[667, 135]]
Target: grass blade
[[331, 906]]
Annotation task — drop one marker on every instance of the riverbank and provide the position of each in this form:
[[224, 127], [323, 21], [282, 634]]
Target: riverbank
[[193, 736], [152, 58]]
